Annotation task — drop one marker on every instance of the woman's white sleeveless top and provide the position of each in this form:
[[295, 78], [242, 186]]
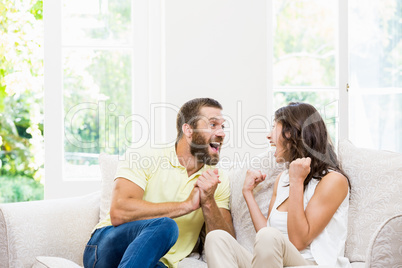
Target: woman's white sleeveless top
[[327, 248]]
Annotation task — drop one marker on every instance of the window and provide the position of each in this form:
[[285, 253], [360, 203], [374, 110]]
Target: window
[[375, 56], [305, 57], [89, 87], [97, 86]]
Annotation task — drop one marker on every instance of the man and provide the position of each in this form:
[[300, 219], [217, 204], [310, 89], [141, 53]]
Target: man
[[162, 196]]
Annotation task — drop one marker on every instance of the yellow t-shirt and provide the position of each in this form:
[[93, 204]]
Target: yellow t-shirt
[[159, 173]]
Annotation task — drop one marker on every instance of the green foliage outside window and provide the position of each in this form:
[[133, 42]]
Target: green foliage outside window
[[21, 100]]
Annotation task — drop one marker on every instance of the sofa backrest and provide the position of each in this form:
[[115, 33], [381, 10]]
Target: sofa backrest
[[108, 166], [55, 227], [376, 181]]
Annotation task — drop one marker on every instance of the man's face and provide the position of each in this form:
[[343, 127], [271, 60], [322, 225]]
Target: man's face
[[207, 138]]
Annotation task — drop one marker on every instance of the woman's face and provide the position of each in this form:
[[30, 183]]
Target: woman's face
[[275, 139]]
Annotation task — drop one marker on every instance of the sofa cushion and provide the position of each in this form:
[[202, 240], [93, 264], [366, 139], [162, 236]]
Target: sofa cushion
[[358, 264], [108, 166], [192, 261], [244, 228], [385, 248], [54, 262], [376, 178]]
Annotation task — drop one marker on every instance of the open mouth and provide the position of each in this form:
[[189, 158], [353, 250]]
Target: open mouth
[[215, 146]]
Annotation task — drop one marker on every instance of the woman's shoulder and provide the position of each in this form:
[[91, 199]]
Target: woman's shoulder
[[333, 183], [335, 177]]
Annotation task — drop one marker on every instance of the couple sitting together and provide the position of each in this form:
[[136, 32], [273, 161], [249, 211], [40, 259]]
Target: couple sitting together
[[158, 208]]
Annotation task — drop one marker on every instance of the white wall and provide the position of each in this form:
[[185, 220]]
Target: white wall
[[218, 49]]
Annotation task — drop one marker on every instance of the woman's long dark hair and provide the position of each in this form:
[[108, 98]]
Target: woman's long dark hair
[[305, 135]]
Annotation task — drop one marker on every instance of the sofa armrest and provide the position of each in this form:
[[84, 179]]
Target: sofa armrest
[[385, 247], [58, 227]]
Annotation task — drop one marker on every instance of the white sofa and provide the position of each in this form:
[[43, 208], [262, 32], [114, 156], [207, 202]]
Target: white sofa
[[53, 233]]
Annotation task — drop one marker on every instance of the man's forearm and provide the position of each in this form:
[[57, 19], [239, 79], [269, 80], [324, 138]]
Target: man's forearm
[[214, 219], [123, 211]]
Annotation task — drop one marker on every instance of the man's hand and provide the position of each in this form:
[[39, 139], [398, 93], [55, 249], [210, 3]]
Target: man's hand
[[193, 200], [253, 178], [215, 217], [207, 183], [298, 170]]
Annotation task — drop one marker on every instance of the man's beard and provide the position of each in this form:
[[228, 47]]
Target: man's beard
[[199, 148]]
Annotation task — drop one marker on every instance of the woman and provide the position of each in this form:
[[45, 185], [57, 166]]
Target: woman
[[307, 217]]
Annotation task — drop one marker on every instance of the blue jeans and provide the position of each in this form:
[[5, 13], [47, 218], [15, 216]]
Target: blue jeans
[[133, 244]]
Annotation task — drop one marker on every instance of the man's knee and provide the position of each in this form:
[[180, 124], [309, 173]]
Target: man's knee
[[167, 223], [168, 229]]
